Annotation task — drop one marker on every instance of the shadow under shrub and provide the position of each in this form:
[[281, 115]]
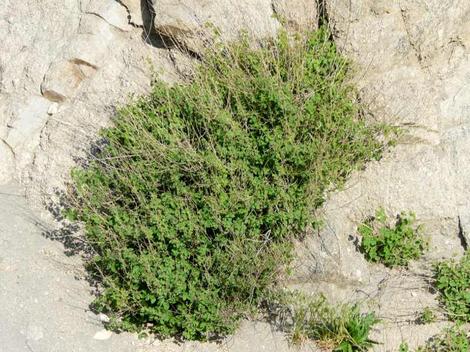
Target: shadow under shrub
[[192, 204]]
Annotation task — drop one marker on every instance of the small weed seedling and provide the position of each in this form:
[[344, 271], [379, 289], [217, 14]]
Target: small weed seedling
[[391, 245], [427, 316], [404, 347]]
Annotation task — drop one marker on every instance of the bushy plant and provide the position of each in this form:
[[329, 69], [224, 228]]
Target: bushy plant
[[453, 283], [191, 204], [391, 245]]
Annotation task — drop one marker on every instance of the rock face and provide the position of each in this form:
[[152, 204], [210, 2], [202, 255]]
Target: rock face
[[296, 14], [86, 50], [413, 71], [23, 60], [65, 67], [192, 23], [62, 70]]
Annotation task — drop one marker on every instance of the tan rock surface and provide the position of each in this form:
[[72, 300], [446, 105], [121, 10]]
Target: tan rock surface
[[64, 67], [413, 71]]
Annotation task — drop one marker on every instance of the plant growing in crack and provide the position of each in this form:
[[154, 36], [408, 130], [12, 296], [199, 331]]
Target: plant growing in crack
[[392, 244], [427, 316], [453, 282]]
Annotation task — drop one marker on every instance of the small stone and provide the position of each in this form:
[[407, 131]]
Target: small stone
[[53, 109], [103, 317], [413, 294], [103, 335]]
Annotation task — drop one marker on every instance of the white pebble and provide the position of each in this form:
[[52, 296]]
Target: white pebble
[[103, 317]]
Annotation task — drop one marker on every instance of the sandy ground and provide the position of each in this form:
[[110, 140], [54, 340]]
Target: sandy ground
[[44, 308]]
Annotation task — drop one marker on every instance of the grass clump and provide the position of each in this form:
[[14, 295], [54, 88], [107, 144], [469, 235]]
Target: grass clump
[[453, 283], [391, 245], [191, 205], [340, 328]]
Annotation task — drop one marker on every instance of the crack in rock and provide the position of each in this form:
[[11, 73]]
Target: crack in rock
[[129, 15], [464, 230], [104, 19], [413, 44]]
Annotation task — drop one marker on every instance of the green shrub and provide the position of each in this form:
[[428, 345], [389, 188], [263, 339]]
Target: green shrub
[[453, 283], [341, 328], [391, 245], [191, 205]]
